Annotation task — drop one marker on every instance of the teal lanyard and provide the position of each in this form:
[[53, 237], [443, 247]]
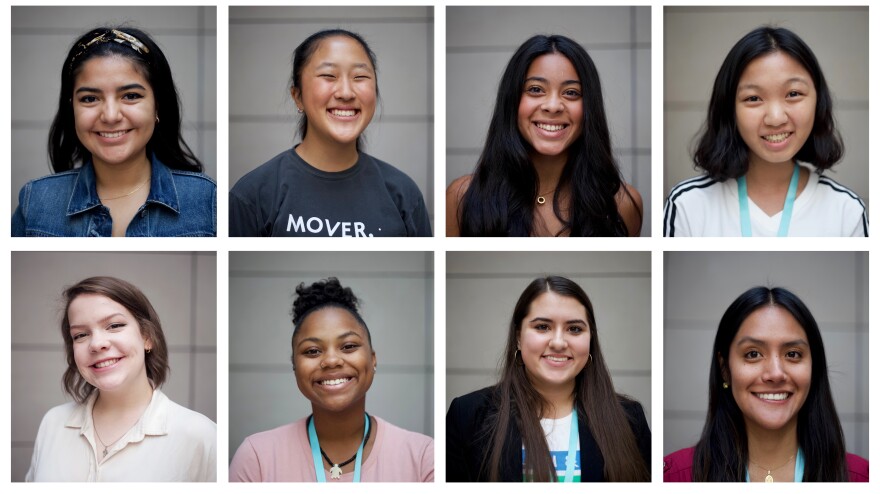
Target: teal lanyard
[[745, 220], [798, 467], [573, 441], [316, 451]]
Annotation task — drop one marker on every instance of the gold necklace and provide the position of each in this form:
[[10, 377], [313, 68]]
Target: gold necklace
[[769, 478], [541, 199], [139, 187], [98, 437]]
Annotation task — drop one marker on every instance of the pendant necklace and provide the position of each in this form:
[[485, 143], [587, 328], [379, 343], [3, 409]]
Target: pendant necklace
[[798, 468], [541, 199], [336, 468]]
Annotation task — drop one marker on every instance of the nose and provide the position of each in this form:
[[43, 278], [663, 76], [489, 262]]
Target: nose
[[774, 370], [111, 111], [776, 114], [331, 360], [553, 103], [557, 339], [344, 89], [98, 342]]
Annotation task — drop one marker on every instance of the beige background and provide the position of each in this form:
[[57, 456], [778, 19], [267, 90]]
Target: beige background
[[41, 38], [397, 294], [698, 288], [262, 116], [480, 42], [696, 40], [180, 285], [482, 289]]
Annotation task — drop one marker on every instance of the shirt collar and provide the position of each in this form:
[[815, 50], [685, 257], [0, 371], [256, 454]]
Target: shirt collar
[[85, 190], [154, 421]]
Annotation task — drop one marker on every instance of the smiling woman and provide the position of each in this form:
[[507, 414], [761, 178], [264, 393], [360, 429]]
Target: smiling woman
[[334, 364], [327, 186], [554, 416], [122, 427], [771, 414], [122, 167]]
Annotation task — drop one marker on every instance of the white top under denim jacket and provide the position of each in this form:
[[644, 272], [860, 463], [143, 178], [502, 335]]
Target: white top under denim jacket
[[66, 204]]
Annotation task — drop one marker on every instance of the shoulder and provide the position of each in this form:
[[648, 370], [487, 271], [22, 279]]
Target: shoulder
[[694, 188], [858, 468], [194, 185], [678, 466], [474, 400], [399, 437], [458, 187], [279, 436], [629, 206], [835, 190], [52, 183], [391, 174], [61, 413], [454, 194], [265, 174], [632, 407], [190, 422]]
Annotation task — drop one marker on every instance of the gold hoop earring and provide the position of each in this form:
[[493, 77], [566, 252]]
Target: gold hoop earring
[[515, 353]]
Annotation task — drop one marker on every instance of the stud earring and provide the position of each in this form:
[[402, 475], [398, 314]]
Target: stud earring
[[299, 110], [725, 385]]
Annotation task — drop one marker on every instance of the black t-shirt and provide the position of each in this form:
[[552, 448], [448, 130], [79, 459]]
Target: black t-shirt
[[288, 197]]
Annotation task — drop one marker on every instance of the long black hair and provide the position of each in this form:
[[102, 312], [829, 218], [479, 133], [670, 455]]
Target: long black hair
[[500, 200], [65, 149], [304, 52], [720, 150], [517, 400], [722, 454]]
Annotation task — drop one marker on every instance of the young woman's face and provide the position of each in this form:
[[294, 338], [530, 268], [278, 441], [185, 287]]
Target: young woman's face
[[770, 369], [775, 108], [551, 109], [554, 341], [108, 346], [114, 111], [334, 362], [338, 93]]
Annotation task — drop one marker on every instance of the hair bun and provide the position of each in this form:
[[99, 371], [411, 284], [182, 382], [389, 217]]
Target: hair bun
[[320, 293]]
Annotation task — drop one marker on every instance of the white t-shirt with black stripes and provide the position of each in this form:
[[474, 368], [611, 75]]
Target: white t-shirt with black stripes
[[704, 207]]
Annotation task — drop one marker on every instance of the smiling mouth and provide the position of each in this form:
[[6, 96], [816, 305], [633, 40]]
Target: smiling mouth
[[335, 382], [776, 138], [105, 363], [773, 396], [343, 113], [550, 127], [557, 358], [113, 135]]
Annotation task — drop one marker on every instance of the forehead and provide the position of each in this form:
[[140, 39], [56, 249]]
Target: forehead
[[774, 68], [553, 305], [771, 324], [328, 323], [553, 66], [339, 49], [94, 305], [112, 69]]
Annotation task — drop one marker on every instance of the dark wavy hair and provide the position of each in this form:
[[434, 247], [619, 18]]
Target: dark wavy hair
[[722, 454], [304, 52], [167, 144], [516, 400], [136, 303], [720, 150], [320, 295], [500, 200]]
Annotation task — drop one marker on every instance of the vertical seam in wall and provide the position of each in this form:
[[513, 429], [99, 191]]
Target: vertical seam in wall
[[200, 83], [429, 343], [429, 34], [193, 273], [859, 334], [633, 95]]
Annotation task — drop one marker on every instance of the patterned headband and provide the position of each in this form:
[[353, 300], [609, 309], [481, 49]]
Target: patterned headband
[[112, 35]]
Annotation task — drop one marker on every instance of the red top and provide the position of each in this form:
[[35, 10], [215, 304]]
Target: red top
[[678, 466]]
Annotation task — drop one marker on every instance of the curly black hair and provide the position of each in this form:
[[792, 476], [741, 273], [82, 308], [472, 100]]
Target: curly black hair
[[322, 294]]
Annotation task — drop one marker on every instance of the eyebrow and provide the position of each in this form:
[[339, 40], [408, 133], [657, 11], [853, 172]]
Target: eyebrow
[[120, 89], [749, 339], [334, 65], [571, 321], [315, 339], [544, 80], [104, 320], [757, 86]]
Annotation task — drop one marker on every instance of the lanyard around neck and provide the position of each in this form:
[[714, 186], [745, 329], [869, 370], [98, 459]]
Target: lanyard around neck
[[745, 220], [573, 441], [798, 467], [316, 451]]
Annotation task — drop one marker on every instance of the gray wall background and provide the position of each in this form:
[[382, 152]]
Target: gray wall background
[[397, 294], [482, 289], [262, 116], [696, 40], [480, 42], [180, 285], [698, 288], [41, 38]]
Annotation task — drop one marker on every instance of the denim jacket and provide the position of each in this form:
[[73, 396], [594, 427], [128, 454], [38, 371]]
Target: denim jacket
[[180, 204]]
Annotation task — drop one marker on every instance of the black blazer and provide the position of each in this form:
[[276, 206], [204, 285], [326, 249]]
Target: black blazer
[[467, 440]]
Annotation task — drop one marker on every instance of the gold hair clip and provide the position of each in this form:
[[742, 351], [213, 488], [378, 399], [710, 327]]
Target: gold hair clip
[[112, 35]]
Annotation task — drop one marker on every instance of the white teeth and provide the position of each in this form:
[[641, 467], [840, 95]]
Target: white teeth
[[777, 137], [106, 363], [335, 382], [556, 359], [551, 128], [773, 396], [343, 113], [112, 134]]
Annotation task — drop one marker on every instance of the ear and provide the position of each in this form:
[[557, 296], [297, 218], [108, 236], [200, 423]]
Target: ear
[[148, 344], [722, 365], [374, 361], [296, 94]]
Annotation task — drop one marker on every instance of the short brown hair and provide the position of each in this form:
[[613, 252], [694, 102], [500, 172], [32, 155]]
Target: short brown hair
[[134, 300]]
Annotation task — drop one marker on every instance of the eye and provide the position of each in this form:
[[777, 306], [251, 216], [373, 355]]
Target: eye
[[572, 93], [794, 355], [751, 99], [534, 90], [79, 336], [116, 326], [752, 354], [311, 352], [88, 99], [132, 96], [542, 327], [350, 347], [327, 76], [794, 94]]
